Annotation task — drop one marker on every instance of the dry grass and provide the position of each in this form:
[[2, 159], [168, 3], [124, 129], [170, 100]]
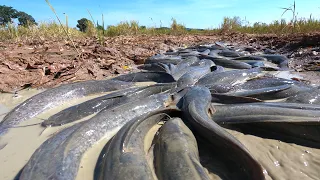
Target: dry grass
[[55, 31], [301, 25], [47, 30], [133, 28]]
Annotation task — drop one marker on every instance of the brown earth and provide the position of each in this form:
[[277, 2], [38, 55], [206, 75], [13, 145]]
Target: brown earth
[[50, 63]]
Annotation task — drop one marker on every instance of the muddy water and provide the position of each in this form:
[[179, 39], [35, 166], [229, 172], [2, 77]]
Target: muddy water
[[20, 143], [287, 74], [281, 160]]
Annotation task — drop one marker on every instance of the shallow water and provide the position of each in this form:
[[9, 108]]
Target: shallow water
[[281, 160], [287, 74], [20, 143]]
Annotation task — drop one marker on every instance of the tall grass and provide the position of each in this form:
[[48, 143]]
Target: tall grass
[[133, 28], [55, 31], [65, 29], [300, 25], [42, 31], [294, 25]]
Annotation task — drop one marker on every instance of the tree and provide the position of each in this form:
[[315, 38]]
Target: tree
[[83, 24], [25, 19], [99, 27], [7, 14]]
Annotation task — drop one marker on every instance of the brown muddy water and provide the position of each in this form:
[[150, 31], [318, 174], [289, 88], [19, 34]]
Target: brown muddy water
[[280, 160]]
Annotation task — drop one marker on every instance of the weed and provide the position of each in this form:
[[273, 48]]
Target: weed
[[176, 28], [44, 30], [52, 9], [293, 22]]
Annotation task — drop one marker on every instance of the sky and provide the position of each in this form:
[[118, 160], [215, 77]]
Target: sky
[[192, 13]]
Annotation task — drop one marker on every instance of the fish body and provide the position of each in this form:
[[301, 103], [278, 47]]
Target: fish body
[[267, 112], [71, 150], [36, 168], [255, 58], [193, 75], [125, 157], [159, 77], [197, 110], [167, 59], [311, 96], [228, 77], [108, 101], [56, 96], [227, 63], [176, 153], [281, 60]]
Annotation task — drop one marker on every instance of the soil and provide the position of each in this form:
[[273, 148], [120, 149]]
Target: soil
[[47, 63], [51, 63]]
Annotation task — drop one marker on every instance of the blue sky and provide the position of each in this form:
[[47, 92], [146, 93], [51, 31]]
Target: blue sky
[[191, 13]]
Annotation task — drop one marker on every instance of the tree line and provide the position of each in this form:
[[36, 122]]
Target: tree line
[[9, 14]]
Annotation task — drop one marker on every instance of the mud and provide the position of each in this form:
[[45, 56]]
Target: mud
[[29, 138], [280, 160], [48, 63]]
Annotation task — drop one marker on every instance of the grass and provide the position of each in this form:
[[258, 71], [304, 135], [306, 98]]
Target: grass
[[295, 25], [65, 29], [301, 25], [53, 30], [43, 31]]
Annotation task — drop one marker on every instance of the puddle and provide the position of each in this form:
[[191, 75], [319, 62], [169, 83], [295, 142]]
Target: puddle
[[23, 141], [287, 74], [281, 160]]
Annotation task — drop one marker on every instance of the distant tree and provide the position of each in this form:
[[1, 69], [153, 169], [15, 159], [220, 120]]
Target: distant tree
[[7, 14], [25, 19], [83, 24], [99, 27]]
